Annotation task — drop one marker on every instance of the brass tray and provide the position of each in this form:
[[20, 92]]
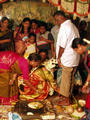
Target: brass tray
[[22, 107]]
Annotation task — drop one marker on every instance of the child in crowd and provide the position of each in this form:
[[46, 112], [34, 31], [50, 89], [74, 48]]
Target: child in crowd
[[45, 40], [44, 55], [81, 47], [34, 26], [40, 78], [50, 64], [30, 45]]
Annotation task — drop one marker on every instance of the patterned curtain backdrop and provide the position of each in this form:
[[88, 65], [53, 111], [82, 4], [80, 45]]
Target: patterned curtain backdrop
[[79, 7], [34, 10], [1, 1], [54, 2]]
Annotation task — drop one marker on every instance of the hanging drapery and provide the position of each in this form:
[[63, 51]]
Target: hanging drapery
[[75, 6], [1, 1], [89, 9], [59, 4], [79, 7], [84, 1]]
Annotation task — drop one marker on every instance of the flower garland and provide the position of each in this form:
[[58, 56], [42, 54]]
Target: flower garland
[[89, 9], [58, 3], [81, 1], [84, 1], [1, 1], [69, 0]]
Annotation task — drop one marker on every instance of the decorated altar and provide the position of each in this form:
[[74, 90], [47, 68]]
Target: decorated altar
[[48, 109]]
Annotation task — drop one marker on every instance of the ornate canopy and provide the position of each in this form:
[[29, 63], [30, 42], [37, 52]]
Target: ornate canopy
[[1, 1], [80, 7]]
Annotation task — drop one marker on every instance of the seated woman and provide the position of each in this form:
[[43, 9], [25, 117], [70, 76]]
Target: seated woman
[[40, 78]]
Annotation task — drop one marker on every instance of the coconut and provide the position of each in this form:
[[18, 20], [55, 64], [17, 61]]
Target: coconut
[[69, 109], [82, 103], [79, 109]]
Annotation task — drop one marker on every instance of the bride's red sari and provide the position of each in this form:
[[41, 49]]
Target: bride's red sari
[[42, 80]]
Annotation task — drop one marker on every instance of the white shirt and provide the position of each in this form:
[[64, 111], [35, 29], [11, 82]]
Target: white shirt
[[41, 42], [66, 35]]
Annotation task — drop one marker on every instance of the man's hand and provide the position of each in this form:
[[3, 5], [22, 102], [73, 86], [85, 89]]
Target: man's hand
[[59, 62], [57, 89]]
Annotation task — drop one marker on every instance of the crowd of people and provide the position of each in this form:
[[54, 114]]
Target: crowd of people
[[24, 51]]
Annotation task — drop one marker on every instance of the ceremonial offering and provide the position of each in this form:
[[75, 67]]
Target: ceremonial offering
[[69, 109], [50, 63], [35, 105], [80, 109], [82, 103], [30, 113], [58, 109], [50, 116], [29, 108], [77, 114], [4, 110]]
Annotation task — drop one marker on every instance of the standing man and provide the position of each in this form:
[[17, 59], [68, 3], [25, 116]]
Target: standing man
[[55, 29], [54, 32], [67, 58]]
